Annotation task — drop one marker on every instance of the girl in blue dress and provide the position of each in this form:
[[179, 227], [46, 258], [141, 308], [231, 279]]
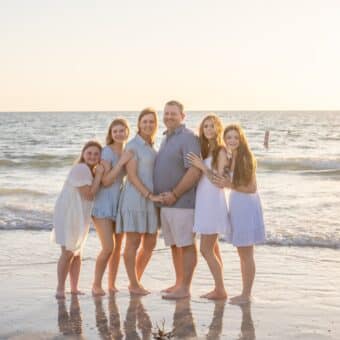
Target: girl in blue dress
[[106, 203], [246, 217]]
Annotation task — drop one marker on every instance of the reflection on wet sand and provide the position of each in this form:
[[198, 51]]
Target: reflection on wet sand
[[108, 330], [247, 325], [70, 323], [136, 316], [216, 325], [183, 324], [137, 324]]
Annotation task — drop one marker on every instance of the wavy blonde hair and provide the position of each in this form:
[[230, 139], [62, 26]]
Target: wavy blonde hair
[[204, 142], [245, 163], [115, 122]]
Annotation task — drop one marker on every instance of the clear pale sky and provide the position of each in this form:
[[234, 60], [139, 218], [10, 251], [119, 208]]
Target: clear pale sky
[[217, 54]]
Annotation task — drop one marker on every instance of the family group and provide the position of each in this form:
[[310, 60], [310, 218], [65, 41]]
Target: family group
[[194, 184]]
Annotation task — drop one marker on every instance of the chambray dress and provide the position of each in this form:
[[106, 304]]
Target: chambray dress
[[246, 217], [135, 212], [107, 198]]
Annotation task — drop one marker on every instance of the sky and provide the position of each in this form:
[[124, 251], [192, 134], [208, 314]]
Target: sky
[[209, 54]]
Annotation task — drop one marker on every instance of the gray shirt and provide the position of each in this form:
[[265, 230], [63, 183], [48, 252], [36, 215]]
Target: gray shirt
[[171, 164]]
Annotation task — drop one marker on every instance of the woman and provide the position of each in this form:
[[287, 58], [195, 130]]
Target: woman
[[105, 206], [137, 216], [246, 217], [211, 214]]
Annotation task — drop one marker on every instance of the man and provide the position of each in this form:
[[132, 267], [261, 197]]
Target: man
[[176, 181]]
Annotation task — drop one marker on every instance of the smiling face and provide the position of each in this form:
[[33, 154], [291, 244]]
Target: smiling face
[[209, 129], [147, 125], [119, 134], [91, 155], [173, 117], [232, 140]]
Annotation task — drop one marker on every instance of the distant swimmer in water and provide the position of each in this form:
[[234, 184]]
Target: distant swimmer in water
[[266, 139]]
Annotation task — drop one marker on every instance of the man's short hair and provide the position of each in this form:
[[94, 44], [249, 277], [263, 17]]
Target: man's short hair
[[176, 103]]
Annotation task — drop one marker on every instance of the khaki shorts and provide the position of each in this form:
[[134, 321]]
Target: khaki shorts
[[177, 226]]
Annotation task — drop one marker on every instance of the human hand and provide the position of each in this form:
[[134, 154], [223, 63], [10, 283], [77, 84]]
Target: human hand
[[156, 198], [168, 198], [221, 181], [126, 156], [195, 160], [99, 169]]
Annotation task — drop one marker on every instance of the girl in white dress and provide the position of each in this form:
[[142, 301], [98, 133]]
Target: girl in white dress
[[72, 214], [246, 217], [211, 212]]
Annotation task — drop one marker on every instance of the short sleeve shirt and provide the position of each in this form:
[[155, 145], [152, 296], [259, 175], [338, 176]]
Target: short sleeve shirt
[[171, 164]]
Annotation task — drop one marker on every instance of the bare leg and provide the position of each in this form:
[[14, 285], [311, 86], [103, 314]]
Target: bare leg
[[248, 269], [133, 241], [114, 262], [189, 255], [62, 271], [177, 259], [146, 248], [74, 274], [218, 252], [104, 228], [208, 244]]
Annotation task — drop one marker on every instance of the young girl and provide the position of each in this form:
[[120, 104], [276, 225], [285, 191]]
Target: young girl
[[72, 214], [211, 214], [247, 225], [105, 206]]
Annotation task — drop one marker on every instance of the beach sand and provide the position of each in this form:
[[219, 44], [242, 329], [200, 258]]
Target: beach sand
[[295, 296]]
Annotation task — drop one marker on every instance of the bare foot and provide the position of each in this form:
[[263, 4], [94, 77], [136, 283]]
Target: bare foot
[[113, 290], [169, 289], [77, 292], [98, 291], [60, 294], [138, 290], [216, 295], [179, 293], [240, 300], [205, 295]]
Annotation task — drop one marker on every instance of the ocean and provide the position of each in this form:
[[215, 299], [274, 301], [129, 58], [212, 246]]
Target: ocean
[[298, 175]]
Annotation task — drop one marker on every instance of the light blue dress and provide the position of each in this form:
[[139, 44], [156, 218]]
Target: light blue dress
[[135, 212], [246, 217], [106, 201]]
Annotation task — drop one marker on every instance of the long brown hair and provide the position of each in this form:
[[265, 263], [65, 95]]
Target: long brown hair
[[146, 111], [205, 146], [115, 122], [245, 163], [86, 146]]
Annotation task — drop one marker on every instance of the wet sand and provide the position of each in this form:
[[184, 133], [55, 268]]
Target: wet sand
[[295, 296]]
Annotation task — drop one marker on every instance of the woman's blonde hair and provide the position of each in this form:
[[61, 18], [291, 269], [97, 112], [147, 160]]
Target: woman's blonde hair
[[86, 146], [204, 142], [146, 111], [115, 122], [245, 163]]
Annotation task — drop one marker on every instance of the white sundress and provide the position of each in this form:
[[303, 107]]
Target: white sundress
[[72, 213], [211, 210]]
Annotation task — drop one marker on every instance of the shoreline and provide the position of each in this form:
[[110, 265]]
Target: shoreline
[[295, 296]]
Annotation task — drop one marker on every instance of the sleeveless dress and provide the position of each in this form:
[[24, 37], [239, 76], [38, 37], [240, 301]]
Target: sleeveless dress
[[72, 213], [211, 210], [135, 212], [107, 198], [246, 217]]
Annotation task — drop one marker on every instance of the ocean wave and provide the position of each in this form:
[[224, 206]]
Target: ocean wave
[[39, 161], [312, 165], [20, 191]]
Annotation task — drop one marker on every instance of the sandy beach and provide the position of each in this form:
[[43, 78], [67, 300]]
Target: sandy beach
[[295, 296]]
